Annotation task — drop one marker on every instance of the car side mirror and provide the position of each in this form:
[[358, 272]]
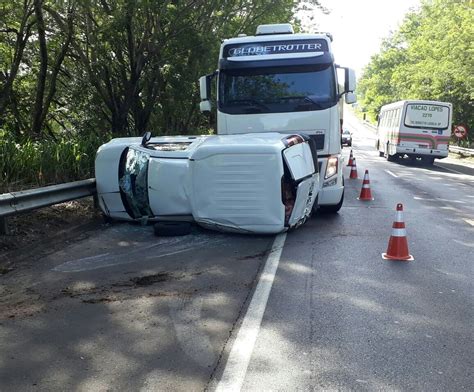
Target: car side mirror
[[146, 138]]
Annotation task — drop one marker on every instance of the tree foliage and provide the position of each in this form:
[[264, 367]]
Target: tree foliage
[[431, 56], [119, 67], [76, 70]]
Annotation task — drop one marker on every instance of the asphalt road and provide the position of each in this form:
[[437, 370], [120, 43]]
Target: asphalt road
[[340, 318], [116, 308]]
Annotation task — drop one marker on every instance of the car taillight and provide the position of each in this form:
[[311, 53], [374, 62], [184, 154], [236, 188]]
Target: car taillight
[[331, 168]]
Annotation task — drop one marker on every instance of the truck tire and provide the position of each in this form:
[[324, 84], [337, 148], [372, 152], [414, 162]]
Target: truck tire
[[169, 229]]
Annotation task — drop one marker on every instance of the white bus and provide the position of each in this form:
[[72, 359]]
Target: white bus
[[278, 81], [418, 129]]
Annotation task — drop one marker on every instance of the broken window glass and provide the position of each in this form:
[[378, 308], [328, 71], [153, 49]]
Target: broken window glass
[[134, 183]]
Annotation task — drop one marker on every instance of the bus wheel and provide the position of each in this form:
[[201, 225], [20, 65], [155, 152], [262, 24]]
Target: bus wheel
[[377, 147], [390, 158], [427, 160]]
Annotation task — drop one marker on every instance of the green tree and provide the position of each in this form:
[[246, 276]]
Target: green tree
[[430, 57]]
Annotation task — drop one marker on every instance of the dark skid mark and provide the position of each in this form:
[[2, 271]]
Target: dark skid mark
[[254, 256], [5, 270], [152, 279], [99, 300]]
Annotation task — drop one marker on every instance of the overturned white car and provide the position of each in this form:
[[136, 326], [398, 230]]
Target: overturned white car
[[248, 183]]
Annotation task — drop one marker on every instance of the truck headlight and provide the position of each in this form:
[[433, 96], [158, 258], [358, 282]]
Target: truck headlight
[[331, 168]]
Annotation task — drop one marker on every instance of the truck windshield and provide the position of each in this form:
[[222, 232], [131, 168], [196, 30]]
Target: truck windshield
[[277, 90]]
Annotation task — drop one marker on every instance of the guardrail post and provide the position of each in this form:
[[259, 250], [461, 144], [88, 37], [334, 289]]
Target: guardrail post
[[4, 226]]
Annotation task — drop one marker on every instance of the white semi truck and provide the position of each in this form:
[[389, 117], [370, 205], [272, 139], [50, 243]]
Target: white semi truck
[[278, 81]]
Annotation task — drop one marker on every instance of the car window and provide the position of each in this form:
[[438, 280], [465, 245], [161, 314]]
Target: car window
[[133, 180]]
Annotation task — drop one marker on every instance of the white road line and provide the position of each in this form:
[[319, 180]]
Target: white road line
[[469, 221], [239, 357], [392, 174]]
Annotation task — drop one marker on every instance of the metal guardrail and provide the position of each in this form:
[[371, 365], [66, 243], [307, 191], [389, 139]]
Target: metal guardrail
[[462, 150], [369, 125], [14, 203]]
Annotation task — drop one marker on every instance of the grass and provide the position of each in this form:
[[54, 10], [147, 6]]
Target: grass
[[32, 164]]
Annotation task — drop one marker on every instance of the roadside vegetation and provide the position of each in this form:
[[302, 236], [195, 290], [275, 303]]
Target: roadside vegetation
[[75, 73], [430, 56]]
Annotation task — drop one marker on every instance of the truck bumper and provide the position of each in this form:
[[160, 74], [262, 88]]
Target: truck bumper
[[330, 195]]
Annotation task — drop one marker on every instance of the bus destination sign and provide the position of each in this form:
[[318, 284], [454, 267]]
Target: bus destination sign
[[275, 47]]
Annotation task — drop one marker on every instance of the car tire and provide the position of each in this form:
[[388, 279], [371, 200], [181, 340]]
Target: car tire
[[106, 219], [169, 229]]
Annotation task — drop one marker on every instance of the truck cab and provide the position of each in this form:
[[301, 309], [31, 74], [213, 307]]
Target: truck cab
[[279, 81]]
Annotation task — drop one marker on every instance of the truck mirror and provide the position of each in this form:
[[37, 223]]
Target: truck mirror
[[350, 81], [350, 98], [204, 88], [205, 106]]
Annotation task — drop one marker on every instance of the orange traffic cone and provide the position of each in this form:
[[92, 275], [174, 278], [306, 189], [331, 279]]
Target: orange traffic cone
[[353, 174], [398, 245], [350, 159], [365, 194]]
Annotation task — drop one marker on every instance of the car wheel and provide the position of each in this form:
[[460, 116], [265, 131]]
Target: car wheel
[[106, 219], [168, 229]]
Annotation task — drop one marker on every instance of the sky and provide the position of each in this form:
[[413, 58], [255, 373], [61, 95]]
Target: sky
[[358, 27]]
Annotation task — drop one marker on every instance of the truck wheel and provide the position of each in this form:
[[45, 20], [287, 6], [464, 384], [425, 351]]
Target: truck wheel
[[332, 209], [169, 229]]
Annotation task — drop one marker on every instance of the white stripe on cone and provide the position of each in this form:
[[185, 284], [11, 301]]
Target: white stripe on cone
[[399, 233]]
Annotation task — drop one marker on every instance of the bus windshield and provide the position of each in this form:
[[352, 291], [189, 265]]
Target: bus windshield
[[277, 90], [427, 116]]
